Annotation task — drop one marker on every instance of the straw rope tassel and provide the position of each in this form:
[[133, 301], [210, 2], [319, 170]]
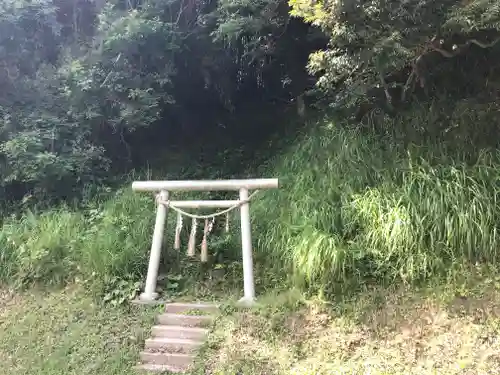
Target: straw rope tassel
[[192, 239], [178, 230], [204, 245]]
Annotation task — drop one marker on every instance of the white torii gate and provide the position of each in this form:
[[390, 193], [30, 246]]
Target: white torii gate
[[165, 187]]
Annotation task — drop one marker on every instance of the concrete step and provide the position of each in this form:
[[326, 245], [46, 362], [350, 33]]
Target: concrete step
[[172, 345], [171, 359], [184, 320], [183, 308], [179, 332], [160, 369]]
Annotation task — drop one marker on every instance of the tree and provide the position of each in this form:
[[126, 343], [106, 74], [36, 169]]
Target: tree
[[66, 96], [392, 46], [83, 79]]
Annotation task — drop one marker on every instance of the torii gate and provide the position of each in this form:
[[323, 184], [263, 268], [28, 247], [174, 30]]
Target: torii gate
[[163, 188]]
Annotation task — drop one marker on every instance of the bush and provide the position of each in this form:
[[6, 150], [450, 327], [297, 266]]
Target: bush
[[106, 246]]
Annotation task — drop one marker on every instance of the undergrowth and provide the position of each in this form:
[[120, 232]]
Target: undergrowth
[[104, 245], [355, 206], [380, 203]]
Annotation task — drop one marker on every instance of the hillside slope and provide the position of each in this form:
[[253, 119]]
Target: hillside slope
[[431, 331], [378, 206]]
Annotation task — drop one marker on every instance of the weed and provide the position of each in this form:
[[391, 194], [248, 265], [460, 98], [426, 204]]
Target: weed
[[354, 207], [118, 291], [40, 247], [104, 247]]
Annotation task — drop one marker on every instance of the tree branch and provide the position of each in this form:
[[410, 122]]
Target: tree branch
[[433, 47], [459, 49], [409, 81]]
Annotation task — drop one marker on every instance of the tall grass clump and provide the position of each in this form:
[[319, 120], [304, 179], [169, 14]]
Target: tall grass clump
[[40, 248], [355, 206], [118, 235], [104, 243]]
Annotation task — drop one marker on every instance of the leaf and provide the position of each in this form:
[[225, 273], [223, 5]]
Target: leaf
[[172, 286], [174, 278]]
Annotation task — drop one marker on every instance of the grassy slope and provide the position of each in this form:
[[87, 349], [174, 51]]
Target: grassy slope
[[355, 207], [63, 332], [444, 330]]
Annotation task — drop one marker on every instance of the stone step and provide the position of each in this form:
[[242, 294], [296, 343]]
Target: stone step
[[176, 337], [172, 345], [160, 369], [179, 332], [184, 320], [183, 308], [172, 359]]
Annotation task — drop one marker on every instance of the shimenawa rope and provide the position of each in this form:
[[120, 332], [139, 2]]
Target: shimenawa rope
[[201, 217]]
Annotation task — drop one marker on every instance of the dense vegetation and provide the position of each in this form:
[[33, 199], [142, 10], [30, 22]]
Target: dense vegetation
[[379, 117], [87, 87], [392, 175]]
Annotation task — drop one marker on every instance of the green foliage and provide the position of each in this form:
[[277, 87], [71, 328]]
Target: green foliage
[[119, 290], [62, 107], [29, 36], [122, 82], [40, 142], [83, 81], [249, 19], [117, 236], [40, 248], [106, 249], [365, 207], [392, 45]]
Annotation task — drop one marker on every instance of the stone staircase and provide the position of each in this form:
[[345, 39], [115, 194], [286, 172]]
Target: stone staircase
[[177, 335]]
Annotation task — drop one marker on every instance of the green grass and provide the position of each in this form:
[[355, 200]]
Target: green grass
[[105, 245], [64, 332], [440, 329], [354, 207]]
